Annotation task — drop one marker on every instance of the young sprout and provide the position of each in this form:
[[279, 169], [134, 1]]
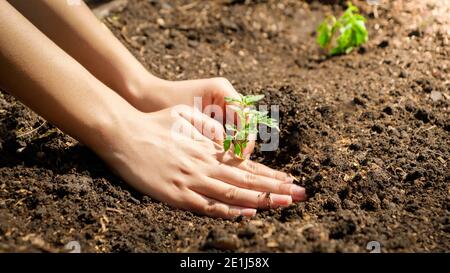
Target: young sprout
[[248, 120], [352, 32]]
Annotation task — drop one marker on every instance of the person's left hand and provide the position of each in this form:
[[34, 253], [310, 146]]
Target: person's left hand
[[159, 94]]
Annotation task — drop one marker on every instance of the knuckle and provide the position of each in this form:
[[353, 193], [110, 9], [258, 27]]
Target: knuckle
[[219, 210], [264, 200], [179, 183], [249, 180], [211, 208], [251, 166], [185, 166], [213, 128], [283, 188], [231, 193], [232, 212]]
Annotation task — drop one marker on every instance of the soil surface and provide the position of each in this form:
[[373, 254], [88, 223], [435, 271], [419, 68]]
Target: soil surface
[[367, 134]]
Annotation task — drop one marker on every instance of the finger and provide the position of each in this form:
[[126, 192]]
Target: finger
[[261, 169], [207, 126], [248, 180], [184, 130], [256, 168], [230, 194], [201, 204], [183, 126]]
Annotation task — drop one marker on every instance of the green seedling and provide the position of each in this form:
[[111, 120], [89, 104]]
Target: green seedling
[[352, 32], [248, 120]]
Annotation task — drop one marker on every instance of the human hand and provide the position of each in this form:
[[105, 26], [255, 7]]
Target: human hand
[[154, 94], [189, 170]]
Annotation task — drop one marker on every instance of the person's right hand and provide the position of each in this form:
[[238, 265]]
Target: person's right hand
[[192, 171]]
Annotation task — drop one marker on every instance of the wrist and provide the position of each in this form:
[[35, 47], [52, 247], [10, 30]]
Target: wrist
[[104, 128], [149, 93]]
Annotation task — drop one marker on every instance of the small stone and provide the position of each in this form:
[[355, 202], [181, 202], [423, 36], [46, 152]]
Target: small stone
[[388, 205], [348, 204], [193, 43], [272, 244], [160, 22], [257, 223], [436, 96]]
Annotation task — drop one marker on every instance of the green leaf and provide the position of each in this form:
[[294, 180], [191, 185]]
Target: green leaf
[[242, 117], [323, 34], [359, 17], [252, 125], [235, 108], [361, 32], [251, 99], [240, 135], [230, 100], [348, 50], [269, 122], [238, 150], [351, 8], [249, 118], [227, 143], [352, 32]]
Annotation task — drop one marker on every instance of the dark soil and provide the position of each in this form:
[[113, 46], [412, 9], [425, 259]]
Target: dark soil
[[367, 134]]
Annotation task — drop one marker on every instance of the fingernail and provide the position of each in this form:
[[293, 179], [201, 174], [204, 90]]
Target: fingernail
[[298, 193], [248, 212], [281, 200]]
